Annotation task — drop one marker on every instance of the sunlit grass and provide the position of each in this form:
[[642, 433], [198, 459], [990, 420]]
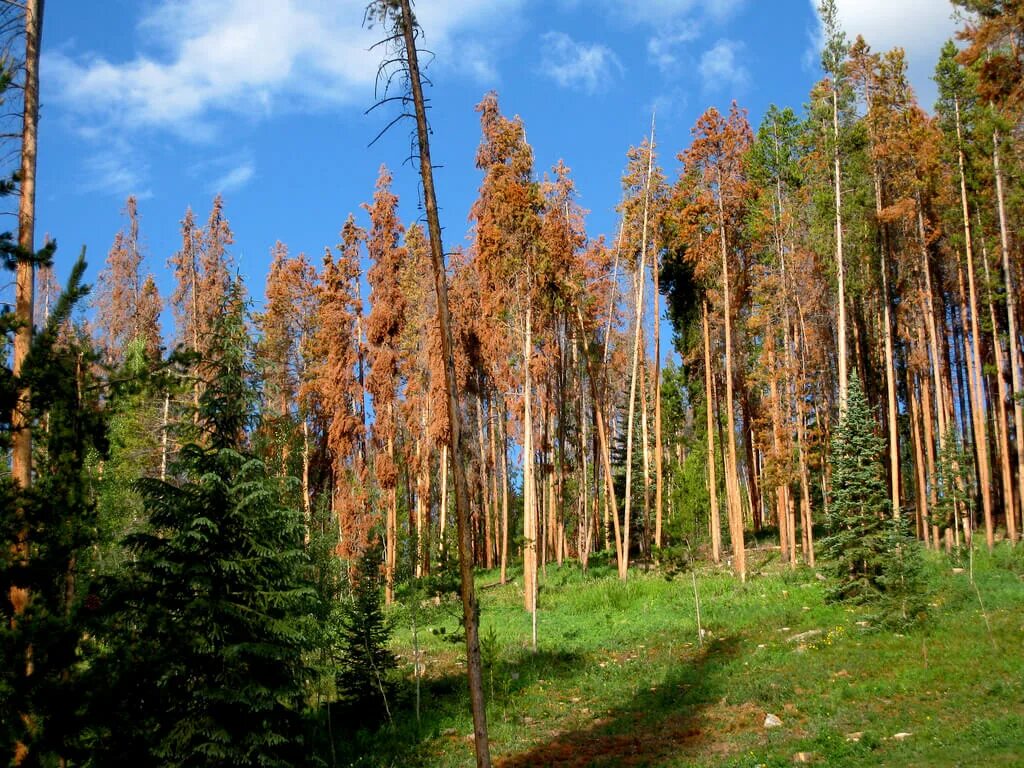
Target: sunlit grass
[[621, 677]]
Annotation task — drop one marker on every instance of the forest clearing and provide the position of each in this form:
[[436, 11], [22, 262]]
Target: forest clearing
[[738, 482]]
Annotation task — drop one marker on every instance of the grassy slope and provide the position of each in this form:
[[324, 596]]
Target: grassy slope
[[620, 680]]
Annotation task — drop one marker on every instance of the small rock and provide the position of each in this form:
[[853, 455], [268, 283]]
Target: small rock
[[958, 570], [803, 757], [855, 736], [902, 735], [820, 577], [772, 721], [804, 636]]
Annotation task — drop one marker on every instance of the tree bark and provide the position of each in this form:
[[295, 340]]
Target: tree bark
[[840, 268], [21, 437]]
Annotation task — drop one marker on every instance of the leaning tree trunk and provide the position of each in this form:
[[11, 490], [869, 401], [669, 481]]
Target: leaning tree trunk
[[470, 608]]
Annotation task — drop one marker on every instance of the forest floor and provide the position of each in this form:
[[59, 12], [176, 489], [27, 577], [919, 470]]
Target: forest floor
[[620, 677]]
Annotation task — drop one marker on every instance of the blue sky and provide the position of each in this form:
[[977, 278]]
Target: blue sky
[[264, 101]]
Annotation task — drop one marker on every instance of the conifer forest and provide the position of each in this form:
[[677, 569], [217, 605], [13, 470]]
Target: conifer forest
[[739, 482]]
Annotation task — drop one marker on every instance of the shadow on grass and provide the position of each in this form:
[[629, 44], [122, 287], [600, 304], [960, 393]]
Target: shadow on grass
[[655, 724], [444, 702]]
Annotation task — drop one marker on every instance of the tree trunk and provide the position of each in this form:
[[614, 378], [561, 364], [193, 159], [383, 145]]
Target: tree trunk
[[658, 447], [529, 481], [840, 267], [21, 433], [731, 475], [612, 506], [390, 532], [1016, 373], [470, 608], [504, 495], [442, 517], [485, 496], [716, 521], [1002, 424], [974, 368]]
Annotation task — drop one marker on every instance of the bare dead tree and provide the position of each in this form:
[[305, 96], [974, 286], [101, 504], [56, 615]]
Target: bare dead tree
[[402, 62]]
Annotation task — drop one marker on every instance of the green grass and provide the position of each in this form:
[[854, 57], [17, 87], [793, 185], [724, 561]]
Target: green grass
[[620, 677]]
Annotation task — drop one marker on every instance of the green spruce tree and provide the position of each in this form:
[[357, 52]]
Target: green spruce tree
[[365, 663], [207, 632], [47, 526], [859, 504], [874, 558]]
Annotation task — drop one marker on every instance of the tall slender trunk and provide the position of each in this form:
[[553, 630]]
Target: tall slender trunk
[[933, 348], [921, 494], [485, 496], [470, 608], [493, 466], [21, 433], [890, 362], [656, 320], [307, 507], [977, 392], [612, 508], [164, 427], [1002, 424], [1014, 353], [529, 483], [391, 529], [929, 443], [731, 476], [504, 497], [442, 516], [638, 324], [645, 389], [716, 522], [659, 480], [840, 267], [976, 404]]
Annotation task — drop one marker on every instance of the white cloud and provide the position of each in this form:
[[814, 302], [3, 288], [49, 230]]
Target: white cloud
[[587, 67], [117, 170], [920, 27], [235, 178], [663, 49], [195, 66], [720, 66], [252, 57]]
